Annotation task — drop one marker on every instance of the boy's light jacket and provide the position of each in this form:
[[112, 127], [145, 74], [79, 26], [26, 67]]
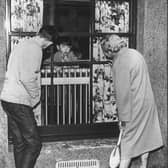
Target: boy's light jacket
[[22, 79]]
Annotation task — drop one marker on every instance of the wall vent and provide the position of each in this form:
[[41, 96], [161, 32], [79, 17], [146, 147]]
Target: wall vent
[[93, 163]]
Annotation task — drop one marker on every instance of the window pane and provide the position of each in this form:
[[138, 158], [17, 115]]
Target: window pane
[[67, 17], [111, 16], [104, 104], [26, 15], [97, 51], [79, 50]]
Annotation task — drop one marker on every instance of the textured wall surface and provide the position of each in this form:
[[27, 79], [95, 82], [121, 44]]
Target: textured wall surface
[[152, 42], [4, 161]]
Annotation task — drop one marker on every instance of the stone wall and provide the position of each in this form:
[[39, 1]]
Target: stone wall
[[152, 42], [4, 161]]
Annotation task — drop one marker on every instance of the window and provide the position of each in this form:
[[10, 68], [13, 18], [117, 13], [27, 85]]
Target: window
[[78, 99], [71, 19]]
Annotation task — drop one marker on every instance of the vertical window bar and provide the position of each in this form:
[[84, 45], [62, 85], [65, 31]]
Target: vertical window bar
[[54, 90], [46, 99], [75, 105], [58, 98], [89, 100], [86, 99], [58, 104], [80, 98], [51, 91], [63, 98], [69, 99]]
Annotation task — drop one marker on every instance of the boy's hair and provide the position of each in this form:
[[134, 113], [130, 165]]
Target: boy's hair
[[64, 40], [48, 32]]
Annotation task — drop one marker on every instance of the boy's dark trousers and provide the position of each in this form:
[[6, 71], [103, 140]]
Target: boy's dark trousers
[[26, 139]]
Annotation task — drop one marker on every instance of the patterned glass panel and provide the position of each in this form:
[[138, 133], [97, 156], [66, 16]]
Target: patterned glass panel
[[111, 16], [97, 51], [104, 104], [26, 15]]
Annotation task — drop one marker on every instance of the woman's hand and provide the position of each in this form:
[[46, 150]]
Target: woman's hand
[[122, 125]]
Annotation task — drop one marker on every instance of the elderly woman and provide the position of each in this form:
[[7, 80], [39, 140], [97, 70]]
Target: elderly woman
[[135, 101]]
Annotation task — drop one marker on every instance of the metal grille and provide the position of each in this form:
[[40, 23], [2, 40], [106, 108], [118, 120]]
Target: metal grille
[[68, 100], [78, 164]]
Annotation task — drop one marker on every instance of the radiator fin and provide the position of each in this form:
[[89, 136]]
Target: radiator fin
[[78, 164]]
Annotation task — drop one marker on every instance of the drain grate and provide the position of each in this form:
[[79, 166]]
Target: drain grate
[[78, 164]]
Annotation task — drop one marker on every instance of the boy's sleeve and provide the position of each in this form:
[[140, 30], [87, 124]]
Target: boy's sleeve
[[30, 71]]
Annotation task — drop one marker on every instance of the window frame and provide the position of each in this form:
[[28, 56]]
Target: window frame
[[82, 131]]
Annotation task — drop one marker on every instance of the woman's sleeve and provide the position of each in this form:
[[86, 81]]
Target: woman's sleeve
[[123, 92]]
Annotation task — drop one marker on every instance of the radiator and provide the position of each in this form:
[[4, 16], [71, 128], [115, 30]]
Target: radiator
[[78, 164]]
